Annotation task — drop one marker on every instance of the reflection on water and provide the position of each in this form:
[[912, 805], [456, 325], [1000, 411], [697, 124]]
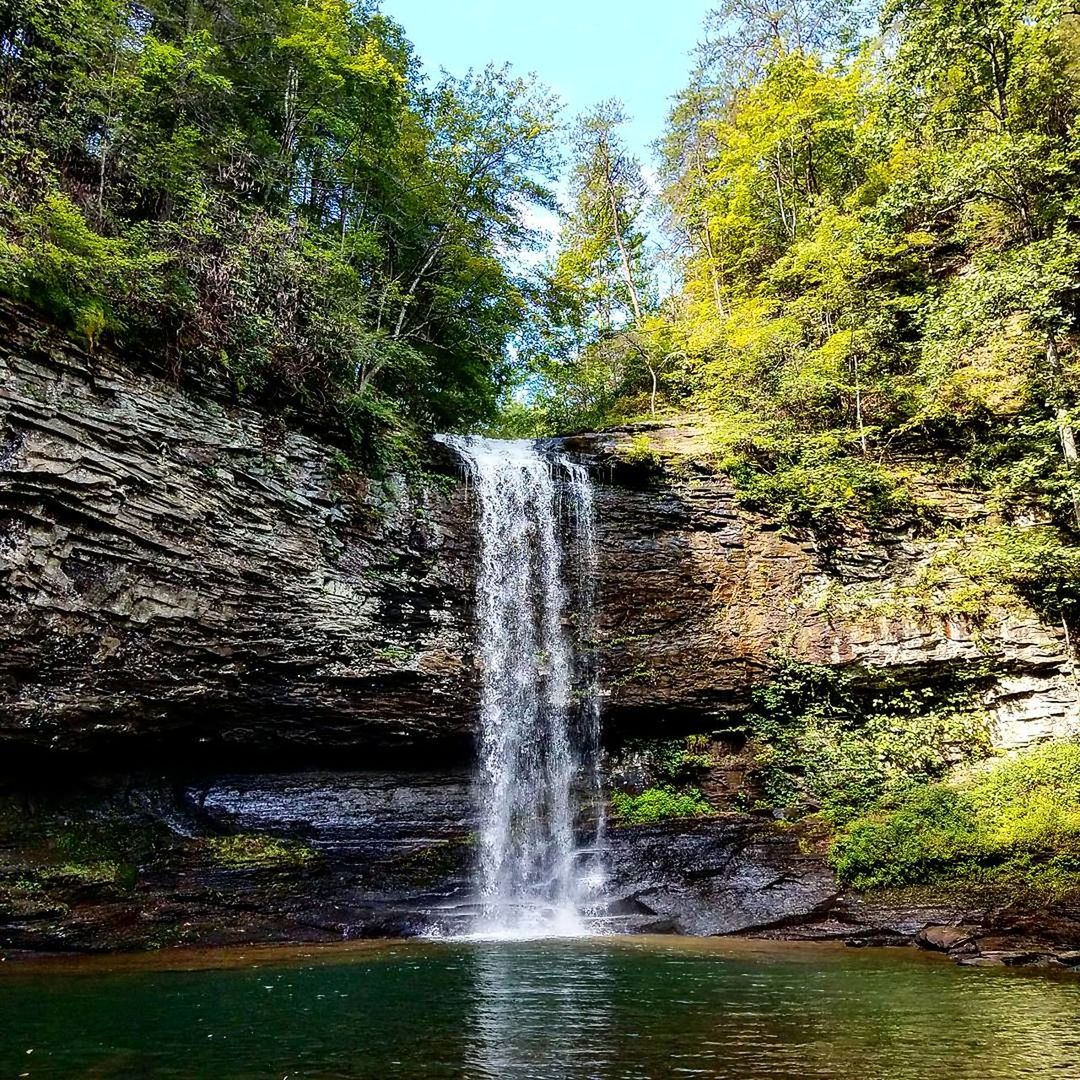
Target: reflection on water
[[620, 1009], [539, 1014]]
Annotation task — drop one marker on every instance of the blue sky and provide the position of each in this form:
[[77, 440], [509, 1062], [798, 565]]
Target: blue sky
[[585, 50]]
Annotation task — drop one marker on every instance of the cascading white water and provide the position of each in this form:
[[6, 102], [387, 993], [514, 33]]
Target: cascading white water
[[538, 780]]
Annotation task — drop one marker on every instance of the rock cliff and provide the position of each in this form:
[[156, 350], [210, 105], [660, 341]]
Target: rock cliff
[[178, 572], [698, 598], [175, 571], [188, 586]]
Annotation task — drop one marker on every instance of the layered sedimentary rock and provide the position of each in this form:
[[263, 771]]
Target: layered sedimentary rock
[[182, 574], [700, 598], [176, 571]]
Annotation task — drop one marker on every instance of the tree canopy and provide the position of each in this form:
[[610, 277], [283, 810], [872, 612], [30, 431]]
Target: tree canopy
[[272, 189], [876, 251], [863, 238]]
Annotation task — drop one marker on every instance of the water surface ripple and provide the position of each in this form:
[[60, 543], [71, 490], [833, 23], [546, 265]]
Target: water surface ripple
[[594, 1009]]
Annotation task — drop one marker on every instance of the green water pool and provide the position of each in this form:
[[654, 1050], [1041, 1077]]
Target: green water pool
[[594, 1008]]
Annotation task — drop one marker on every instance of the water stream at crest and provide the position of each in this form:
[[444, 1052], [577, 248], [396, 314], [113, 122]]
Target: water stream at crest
[[540, 866]]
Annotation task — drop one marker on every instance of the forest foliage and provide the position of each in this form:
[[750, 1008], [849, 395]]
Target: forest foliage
[[861, 241], [869, 249], [1011, 822], [272, 190]]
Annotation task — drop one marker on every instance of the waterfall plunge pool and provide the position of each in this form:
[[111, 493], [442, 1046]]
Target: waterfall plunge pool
[[585, 1009]]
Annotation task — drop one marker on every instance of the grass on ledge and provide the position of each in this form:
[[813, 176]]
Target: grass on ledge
[[658, 804], [246, 851], [1014, 821]]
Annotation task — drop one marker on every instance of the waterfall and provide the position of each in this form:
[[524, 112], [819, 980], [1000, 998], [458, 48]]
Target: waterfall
[[538, 776]]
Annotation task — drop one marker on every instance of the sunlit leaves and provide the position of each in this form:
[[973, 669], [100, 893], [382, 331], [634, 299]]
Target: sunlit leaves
[[271, 186]]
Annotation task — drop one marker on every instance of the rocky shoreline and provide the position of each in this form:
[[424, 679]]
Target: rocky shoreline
[[320, 856]]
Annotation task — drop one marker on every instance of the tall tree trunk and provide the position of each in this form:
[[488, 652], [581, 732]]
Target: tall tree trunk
[[628, 273], [109, 122], [714, 274], [436, 247], [999, 64], [1067, 433], [858, 406], [289, 125], [624, 255], [789, 226]]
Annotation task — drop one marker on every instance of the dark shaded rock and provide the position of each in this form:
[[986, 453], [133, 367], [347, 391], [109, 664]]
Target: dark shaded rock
[[1002, 949], [943, 938], [871, 937], [366, 813], [1059, 928], [716, 876], [302, 857], [971, 926], [352, 854], [356, 854], [998, 958], [888, 917]]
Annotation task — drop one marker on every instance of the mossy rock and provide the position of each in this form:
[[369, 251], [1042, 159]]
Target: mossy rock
[[429, 865], [247, 851]]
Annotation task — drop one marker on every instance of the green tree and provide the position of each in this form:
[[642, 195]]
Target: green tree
[[989, 95], [273, 188], [877, 242], [599, 310]]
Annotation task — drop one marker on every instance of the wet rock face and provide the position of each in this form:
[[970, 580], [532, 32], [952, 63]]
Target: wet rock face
[[698, 596], [722, 876], [178, 574], [322, 855], [173, 571], [145, 862], [408, 841]]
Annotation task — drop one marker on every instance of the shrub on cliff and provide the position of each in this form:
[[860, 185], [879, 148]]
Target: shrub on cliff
[[1017, 820], [821, 746], [816, 484], [1037, 563], [658, 804]]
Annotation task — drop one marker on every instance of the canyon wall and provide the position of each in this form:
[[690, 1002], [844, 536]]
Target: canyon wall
[[178, 572], [192, 591]]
